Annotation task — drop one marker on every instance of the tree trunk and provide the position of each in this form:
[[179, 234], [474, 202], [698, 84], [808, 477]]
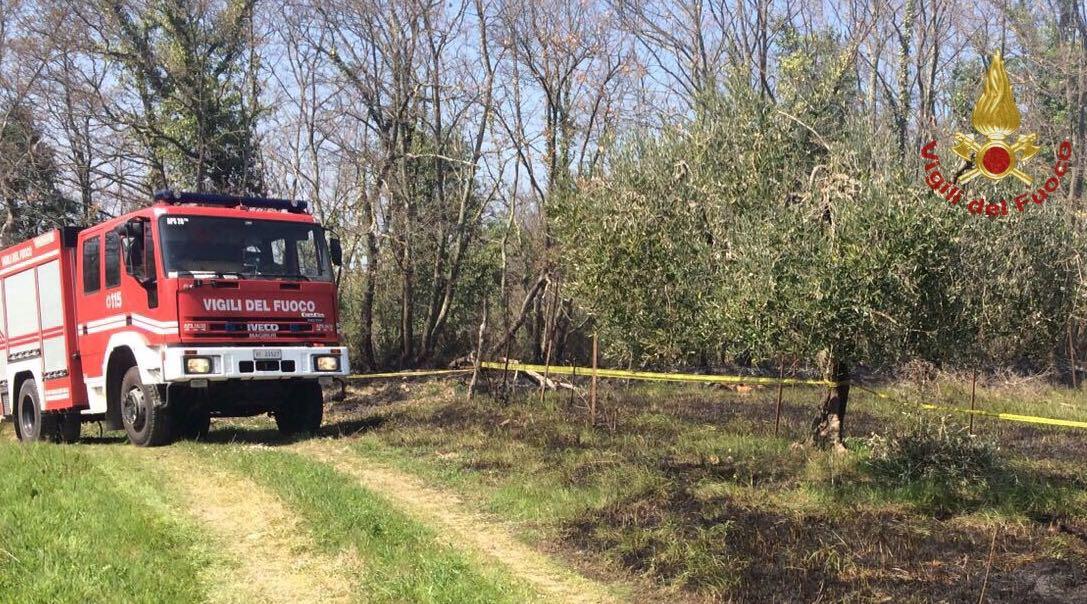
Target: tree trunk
[[828, 429], [477, 365], [9, 223], [905, 36], [366, 332], [407, 317], [538, 328], [526, 307]]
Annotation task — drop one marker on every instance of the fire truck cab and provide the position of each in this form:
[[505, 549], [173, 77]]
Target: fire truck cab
[[200, 305]]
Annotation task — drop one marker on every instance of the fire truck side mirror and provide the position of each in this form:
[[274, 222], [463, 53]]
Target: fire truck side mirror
[[335, 250]]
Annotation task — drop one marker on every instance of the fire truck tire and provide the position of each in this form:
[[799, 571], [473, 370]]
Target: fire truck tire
[[31, 424], [147, 422], [302, 411]]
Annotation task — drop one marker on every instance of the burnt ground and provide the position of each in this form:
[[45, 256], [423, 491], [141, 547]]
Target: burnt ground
[[687, 490]]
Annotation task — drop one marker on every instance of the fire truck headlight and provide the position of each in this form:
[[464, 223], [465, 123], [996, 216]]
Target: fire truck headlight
[[326, 362], [198, 365]]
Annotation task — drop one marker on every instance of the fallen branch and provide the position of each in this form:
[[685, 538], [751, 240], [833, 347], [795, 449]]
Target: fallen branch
[[1075, 531], [548, 383]]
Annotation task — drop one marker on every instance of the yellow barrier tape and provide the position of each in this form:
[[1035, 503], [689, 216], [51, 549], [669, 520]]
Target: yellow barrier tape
[[394, 374], [712, 379], [1011, 417], [657, 377]]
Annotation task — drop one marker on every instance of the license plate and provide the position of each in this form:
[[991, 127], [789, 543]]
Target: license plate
[[267, 354]]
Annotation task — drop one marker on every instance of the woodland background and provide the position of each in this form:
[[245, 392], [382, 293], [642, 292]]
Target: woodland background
[[700, 182]]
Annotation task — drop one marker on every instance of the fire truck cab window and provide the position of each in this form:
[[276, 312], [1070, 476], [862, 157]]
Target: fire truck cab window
[[92, 277], [113, 259], [308, 256], [202, 246]]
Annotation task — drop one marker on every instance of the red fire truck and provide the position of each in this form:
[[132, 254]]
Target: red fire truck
[[200, 305]]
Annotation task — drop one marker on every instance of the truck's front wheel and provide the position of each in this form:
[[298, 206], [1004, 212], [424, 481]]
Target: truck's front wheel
[[32, 424], [302, 410], [146, 420]]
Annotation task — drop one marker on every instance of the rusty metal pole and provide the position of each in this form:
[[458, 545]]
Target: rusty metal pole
[[1072, 356], [973, 398], [592, 385], [781, 386]]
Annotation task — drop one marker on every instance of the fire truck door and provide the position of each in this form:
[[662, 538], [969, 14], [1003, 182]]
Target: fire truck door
[[95, 319]]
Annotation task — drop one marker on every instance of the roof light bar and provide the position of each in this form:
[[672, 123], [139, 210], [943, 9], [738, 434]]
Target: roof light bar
[[221, 199]]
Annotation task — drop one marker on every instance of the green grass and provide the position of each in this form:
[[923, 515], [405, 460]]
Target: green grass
[[69, 533], [688, 487], [403, 560]]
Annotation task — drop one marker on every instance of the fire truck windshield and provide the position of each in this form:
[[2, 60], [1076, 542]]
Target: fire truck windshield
[[205, 246]]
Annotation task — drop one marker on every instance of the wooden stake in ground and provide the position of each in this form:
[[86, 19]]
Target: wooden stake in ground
[[781, 386], [592, 385], [479, 354], [573, 386], [1072, 356], [505, 374], [988, 566], [973, 398], [545, 379]]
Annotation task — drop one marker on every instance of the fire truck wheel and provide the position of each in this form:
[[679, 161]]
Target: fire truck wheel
[[146, 420], [31, 424], [302, 411]]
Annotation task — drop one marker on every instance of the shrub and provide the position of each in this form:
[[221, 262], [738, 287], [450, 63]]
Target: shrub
[[934, 449]]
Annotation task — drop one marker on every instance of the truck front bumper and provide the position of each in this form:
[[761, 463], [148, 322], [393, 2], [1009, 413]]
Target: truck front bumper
[[251, 363]]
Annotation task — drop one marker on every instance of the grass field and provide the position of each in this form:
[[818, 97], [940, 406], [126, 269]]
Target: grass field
[[411, 493], [69, 533]]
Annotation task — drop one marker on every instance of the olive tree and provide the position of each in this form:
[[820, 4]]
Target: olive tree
[[747, 233]]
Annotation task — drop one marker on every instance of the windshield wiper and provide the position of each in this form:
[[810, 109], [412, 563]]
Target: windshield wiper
[[198, 274], [225, 274], [200, 279]]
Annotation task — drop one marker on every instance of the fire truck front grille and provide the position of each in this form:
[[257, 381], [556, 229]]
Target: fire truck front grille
[[211, 328], [265, 366]]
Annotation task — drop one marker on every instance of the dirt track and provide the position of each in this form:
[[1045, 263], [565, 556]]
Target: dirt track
[[446, 511], [263, 554], [270, 557]]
